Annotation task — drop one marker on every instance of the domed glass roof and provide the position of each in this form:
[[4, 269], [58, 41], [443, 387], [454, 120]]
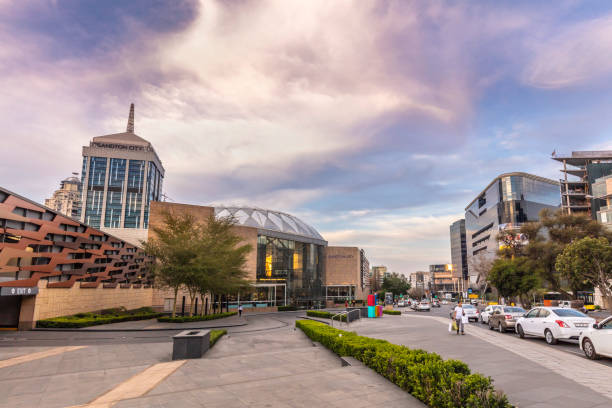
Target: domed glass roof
[[269, 220]]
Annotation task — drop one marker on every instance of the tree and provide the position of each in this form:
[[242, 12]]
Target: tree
[[396, 283], [416, 293], [514, 277], [588, 260], [482, 264], [172, 246], [548, 237]]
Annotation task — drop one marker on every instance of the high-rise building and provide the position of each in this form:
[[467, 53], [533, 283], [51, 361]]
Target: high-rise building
[[583, 168], [121, 175], [510, 200], [459, 250], [442, 278], [378, 276], [67, 200]]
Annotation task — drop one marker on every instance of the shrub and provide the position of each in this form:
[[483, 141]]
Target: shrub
[[90, 319], [324, 315], [392, 312], [287, 308], [216, 335], [434, 381], [184, 319]]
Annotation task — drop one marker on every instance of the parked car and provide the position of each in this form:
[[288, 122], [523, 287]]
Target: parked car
[[435, 303], [596, 340], [401, 303], [470, 311], [504, 318], [423, 306], [488, 311], [553, 323]]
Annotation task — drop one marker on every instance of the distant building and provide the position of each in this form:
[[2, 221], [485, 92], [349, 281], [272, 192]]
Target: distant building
[[442, 279], [378, 276], [583, 169], [346, 274], [459, 251], [67, 200], [510, 200], [420, 280], [122, 175]]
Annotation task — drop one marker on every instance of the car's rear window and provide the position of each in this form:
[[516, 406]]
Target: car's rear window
[[468, 306], [514, 310], [568, 313]]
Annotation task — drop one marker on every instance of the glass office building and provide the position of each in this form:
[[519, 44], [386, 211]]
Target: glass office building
[[507, 202], [459, 249], [290, 257], [121, 175]]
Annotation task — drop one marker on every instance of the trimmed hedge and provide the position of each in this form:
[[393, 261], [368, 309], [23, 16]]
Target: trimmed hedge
[[392, 312], [199, 318], [215, 335], [324, 315], [287, 308], [93, 319], [434, 381]]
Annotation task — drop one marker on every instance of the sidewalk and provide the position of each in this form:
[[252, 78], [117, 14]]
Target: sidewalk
[[153, 324], [527, 372]]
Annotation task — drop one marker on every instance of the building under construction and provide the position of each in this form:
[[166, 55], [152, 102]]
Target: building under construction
[[580, 170]]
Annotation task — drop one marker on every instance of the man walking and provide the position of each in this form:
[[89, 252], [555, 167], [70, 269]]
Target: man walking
[[458, 315], [240, 311]]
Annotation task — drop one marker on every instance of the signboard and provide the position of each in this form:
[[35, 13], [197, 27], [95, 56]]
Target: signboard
[[469, 290], [473, 296], [18, 291]]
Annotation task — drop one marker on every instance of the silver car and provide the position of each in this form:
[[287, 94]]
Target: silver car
[[470, 312], [423, 307]]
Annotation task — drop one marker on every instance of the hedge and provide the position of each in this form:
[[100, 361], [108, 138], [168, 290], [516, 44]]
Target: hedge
[[287, 308], [324, 315], [429, 378], [392, 312], [216, 335], [93, 319], [199, 318]]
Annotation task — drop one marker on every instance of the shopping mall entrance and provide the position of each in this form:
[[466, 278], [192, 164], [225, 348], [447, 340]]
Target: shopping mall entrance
[[9, 311]]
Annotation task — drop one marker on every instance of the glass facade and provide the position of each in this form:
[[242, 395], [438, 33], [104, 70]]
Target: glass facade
[[508, 202], [95, 191], [154, 181], [298, 266], [114, 194], [134, 191], [459, 249]]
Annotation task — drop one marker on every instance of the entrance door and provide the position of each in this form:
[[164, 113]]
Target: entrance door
[[9, 311]]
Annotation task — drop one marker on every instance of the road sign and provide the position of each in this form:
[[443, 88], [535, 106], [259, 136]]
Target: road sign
[[469, 290]]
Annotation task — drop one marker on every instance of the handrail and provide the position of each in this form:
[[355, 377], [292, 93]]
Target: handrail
[[349, 313], [339, 314]]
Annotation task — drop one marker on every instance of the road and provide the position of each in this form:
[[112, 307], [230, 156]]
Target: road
[[566, 346]]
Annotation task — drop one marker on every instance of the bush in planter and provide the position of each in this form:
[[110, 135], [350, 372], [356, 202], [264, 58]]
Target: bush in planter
[[392, 312], [90, 319], [436, 382], [215, 335], [184, 319]]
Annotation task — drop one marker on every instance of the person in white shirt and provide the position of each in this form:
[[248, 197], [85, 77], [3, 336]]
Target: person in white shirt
[[458, 315]]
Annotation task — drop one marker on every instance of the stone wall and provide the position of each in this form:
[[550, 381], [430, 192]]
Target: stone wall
[[53, 302]]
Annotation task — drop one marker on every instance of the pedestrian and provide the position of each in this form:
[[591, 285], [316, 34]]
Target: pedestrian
[[458, 316], [346, 304], [240, 311]]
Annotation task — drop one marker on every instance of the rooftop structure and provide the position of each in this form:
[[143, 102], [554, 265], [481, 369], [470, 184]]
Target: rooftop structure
[[67, 199], [584, 168]]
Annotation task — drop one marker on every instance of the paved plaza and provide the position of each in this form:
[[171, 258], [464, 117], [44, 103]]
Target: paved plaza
[[265, 362]]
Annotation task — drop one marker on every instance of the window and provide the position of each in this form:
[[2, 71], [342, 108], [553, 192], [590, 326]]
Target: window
[[606, 325], [532, 313], [568, 313], [543, 313], [514, 310]]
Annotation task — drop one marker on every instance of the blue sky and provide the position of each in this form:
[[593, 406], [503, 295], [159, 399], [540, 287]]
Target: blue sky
[[374, 121]]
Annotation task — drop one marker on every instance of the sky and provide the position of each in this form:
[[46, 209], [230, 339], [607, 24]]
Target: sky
[[376, 122]]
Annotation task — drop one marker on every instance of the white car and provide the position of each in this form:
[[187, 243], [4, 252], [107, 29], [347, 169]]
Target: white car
[[553, 323], [470, 312], [444, 302], [423, 306], [489, 310], [401, 303], [596, 340]]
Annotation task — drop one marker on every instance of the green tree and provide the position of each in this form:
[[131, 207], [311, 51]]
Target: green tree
[[396, 283], [548, 237], [588, 261], [171, 243], [514, 278]]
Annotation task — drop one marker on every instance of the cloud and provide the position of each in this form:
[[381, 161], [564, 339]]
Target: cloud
[[579, 53]]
